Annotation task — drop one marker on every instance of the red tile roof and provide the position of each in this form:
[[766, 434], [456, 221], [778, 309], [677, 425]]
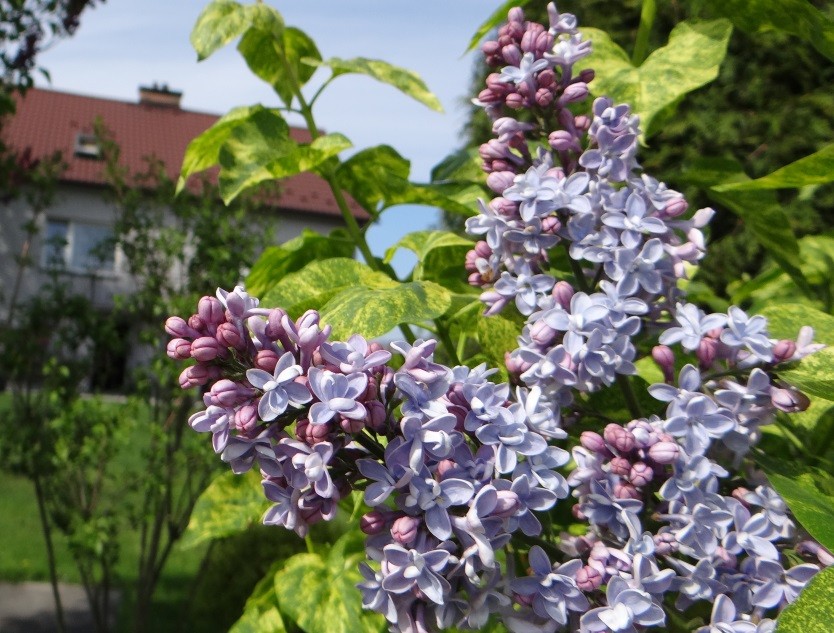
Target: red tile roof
[[48, 120]]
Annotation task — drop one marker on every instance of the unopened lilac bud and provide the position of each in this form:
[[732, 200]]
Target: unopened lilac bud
[[619, 438], [211, 311], [588, 578], [783, 350], [179, 349], [665, 543], [815, 549], [496, 85], [523, 600], [376, 418], [563, 292], [372, 522], [641, 474], [500, 181], [489, 96], [665, 358], [546, 78], [581, 122], [593, 442], [228, 335], [511, 55], [789, 400], [707, 352], [274, 327], [515, 364], [490, 48], [226, 393], [626, 491], [266, 359], [246, 418], [664, 452], [205, 349], [349, 425], [724, 558], [739, 493], [528, 40], [514, 101], [505, 207], [312, 433], [196, 323], [194, 376], [562, 141], [544, 97], [573, 93], [444, 466], [620, 466], [176, 326], [675, 207], [551, 224], [405, 529], [542, 334]]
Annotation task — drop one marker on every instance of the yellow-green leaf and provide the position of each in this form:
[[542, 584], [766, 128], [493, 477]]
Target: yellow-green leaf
[[813, 611]]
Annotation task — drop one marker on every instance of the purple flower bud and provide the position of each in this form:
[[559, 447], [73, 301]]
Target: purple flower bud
[[373, 522], [707, 352], [665, 358], [211, 311], [266, 359], [562, 141], [546, 78], [274, 329], [197, 324], [226, 393], [588, 578], [179, 349], [512, 55], [175, 326], [515, 101], [620, 466], [542, 334], [593, 442], [444, 466], [582, 122], [404, 530], [206, 348], [624, 490], [351, 426], [664, 452], [563, 292], [515, 365], [789, 400], [783, 350], [677, 206], [246, 418], [544, 97], [573, 93], [619, 438], [229, 336], [587, 75], [815, 549], [515, 15], [490, 48], [377, 416], [499, 181], [196, 375], [665, 543], [312, 433], [641, 474]]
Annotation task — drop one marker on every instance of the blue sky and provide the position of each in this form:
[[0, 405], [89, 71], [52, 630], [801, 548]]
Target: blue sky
[[124, 43]]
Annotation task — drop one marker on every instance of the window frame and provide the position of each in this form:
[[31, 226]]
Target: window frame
[[64, 263]]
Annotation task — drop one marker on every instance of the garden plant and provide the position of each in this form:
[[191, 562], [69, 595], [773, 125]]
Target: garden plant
[[557, 438]]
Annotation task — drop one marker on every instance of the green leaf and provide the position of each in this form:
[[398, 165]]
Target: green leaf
[[493, 21], [204, 151], [231, 504], [377, 178], [785, 321], [797, 17], [809, 493], [319, 281], [814, 375], [690, 60], [319, 591], [278, 261], [406, 81], [440, 256], [813, 610], [816, 169], [464, 165], [259, 149], [218, 24], [262, 613], [374, 311], [762, 214], [421, 243]]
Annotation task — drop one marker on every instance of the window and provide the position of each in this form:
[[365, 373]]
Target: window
[[78, 246], [87, 146]]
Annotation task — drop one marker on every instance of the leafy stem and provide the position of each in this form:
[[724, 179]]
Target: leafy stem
[[641, 44]]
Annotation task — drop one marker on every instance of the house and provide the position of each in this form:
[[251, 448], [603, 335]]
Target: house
[[81, 217]]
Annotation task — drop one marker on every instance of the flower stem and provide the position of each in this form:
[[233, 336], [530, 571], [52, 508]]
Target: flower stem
[[641, 44]]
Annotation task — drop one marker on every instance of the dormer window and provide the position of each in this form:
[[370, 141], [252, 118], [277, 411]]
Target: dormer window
[[87, 146]]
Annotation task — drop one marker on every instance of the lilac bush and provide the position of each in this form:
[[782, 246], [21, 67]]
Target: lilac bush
[[523, 501]]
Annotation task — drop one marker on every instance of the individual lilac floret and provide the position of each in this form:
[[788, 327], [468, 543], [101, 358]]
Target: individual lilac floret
[[553, 589], [434, 499], [338, 394], [626, 610], [697, 421], [280, 388], [693, 325], [353, 356], [407, 569], [724, 620], [749, 332]]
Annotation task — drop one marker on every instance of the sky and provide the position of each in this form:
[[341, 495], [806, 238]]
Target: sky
[[122, 44]]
